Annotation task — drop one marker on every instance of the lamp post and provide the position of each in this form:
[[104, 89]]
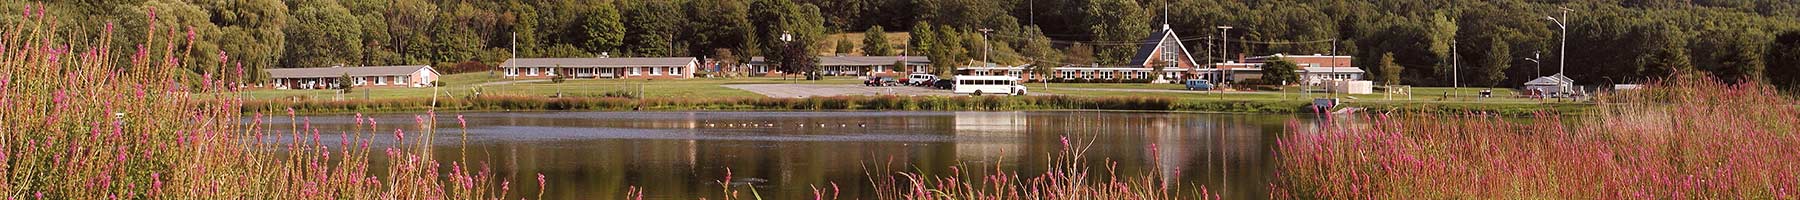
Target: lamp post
[[787, 41], [1562, 60], [1535, 70]]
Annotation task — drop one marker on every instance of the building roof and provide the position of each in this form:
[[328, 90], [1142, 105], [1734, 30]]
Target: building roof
[[1552, 80], [1332, 70], [858, 60], [597, 62], [333, 72], [1158, 39]]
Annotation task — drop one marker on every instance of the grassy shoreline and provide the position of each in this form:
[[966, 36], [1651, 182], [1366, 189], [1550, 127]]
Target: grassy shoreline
[[889, 103]]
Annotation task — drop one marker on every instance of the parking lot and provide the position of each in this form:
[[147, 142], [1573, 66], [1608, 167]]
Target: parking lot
[[818, 90]]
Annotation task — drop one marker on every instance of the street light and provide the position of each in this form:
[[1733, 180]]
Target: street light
[[1562, 60], [1535, 72]]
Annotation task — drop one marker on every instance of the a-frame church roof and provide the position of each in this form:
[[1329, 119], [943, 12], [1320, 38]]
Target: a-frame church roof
[[1147, 50]]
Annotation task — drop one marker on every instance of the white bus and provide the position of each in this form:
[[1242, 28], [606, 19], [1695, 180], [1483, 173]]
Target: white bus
[[979, 85]]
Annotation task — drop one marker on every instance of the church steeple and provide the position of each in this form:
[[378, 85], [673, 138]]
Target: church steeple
[[1165, 15]]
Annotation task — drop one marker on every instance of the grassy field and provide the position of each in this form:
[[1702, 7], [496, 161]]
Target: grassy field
[[895, 39], [1290, 100], [460, 85]]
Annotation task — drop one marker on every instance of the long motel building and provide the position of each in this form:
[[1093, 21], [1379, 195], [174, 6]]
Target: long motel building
[[1164, 49], [851, 65], [370, 76], [602, 68]]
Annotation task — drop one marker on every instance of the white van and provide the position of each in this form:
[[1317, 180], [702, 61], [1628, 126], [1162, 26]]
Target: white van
[[979, 85], [916, 79]]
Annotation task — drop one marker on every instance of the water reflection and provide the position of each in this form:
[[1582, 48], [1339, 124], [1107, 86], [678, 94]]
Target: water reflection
[[682, 155]]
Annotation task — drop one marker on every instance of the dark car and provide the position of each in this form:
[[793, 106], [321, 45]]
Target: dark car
[[943, 84], [881, 82]]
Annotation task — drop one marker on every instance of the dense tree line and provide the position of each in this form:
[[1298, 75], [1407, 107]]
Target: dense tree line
[[1398, 41]]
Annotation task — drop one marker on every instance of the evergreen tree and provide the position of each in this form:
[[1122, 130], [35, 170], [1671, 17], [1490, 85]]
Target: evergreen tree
[[875, 42], [323, 34], [604, 31], [1390, 72], [844, 47], [1784, 61], [1043, 58], [1498, 58], [948, 52], [1120, 21], [922, 39], [651, 28], [1280, 71], [1079, 54]]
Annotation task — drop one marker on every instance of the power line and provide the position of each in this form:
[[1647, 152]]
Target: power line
[[1123, 43]]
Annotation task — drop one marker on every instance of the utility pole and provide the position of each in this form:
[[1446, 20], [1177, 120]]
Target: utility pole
[[986, 46], [1562, 60], [1455, 77], [1224, 52]]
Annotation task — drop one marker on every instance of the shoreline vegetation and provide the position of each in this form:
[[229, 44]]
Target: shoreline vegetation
[[1692, 137], [887, 103], [142, 127]]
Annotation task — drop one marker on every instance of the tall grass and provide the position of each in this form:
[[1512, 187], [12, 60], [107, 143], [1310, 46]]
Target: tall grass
[[1068, 177], [1691, 137], [81, 121]]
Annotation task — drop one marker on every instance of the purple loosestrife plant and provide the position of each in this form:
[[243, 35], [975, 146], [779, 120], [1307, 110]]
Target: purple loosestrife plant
[[96, 125], [1688, 137]]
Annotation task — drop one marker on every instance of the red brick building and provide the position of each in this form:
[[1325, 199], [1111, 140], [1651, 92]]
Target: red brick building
[[598, 68]]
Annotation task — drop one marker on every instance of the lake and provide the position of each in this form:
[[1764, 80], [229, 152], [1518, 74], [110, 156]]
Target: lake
[[784, 155]]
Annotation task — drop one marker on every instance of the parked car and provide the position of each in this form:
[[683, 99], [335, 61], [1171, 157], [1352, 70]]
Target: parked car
[[881, 82], [943, 84], [917, 79], [1199, 84]]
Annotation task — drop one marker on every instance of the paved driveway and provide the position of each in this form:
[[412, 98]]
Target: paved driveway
[[816, 90]]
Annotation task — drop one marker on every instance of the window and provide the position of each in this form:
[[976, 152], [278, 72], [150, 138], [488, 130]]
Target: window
[[634, 71], [380, 80], [399, 80], [550, 71], [531, 71], [512, 71], [656, 71], [361, 81], [675, 70]]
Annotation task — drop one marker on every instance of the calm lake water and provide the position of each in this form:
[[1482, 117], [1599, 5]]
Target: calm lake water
[[683, 155]]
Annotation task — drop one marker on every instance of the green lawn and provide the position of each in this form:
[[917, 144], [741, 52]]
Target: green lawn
[[1419, 94], [458, 85], [1152, 86]]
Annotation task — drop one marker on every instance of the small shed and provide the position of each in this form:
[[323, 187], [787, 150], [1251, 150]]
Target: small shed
[[1551, 86]]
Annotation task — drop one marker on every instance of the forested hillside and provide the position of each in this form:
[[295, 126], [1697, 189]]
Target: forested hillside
[[1608, 40]]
